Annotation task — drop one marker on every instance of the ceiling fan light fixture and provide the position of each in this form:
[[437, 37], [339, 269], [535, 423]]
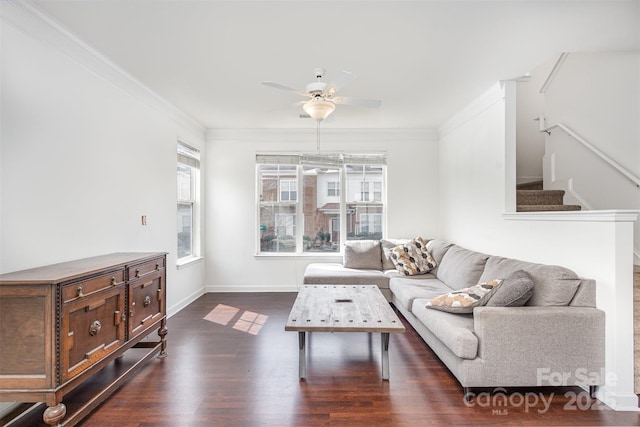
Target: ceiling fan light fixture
[[318, 108]]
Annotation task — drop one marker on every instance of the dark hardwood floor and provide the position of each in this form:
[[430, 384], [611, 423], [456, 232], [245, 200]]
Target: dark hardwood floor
[[218, 375]]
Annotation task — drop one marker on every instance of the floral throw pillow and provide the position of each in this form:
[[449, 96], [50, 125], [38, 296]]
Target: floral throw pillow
[[412, 258], [465, 300]]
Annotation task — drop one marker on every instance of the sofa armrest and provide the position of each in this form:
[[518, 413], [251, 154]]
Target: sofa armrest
[[559, 345]]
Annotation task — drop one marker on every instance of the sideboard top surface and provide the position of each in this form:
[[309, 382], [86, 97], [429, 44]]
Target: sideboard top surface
[[66, 271]]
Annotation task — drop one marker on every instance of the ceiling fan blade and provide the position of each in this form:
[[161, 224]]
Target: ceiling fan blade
[[342, 80], [359, 102], [283, 87]]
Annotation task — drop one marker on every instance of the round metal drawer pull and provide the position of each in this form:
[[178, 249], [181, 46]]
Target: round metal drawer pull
[[95, 327], [79, 291], [113, 280], [137, 272], [147, 301]]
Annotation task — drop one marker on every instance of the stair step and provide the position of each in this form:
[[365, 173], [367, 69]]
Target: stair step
[[539, 197], [543, 208], [533, 185]]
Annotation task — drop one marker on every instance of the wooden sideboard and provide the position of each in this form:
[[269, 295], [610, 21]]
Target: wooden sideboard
[[61, 324]]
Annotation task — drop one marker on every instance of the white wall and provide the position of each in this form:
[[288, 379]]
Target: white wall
[[529, 140], [231, 264], [477, 162], [82, 160], [596, 96]]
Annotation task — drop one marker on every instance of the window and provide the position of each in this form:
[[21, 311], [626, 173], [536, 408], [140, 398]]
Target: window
[[364, 191], [288, 190], [333, 189], [366, 218], [188, 184], [285, 225], [307, 203], [377, 191], [370, 223], [278, 189]]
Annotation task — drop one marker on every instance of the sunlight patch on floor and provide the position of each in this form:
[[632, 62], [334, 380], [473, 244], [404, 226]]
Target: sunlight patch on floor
[[221, 314], [248, 322]]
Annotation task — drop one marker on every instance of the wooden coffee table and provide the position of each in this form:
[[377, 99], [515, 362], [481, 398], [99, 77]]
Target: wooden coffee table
[[342, 308]]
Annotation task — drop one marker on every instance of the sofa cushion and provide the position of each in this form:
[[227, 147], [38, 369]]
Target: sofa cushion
[[362, 254], [412, 257], [437, 249], [324, 273], [386, 245], [406, 289], [514, 291], [461, 268], [454, 330], [553, 285], [465, 300]]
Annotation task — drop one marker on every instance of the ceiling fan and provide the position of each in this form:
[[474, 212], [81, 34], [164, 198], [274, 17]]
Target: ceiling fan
[[322, 100]]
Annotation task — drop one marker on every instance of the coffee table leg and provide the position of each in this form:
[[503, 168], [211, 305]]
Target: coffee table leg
[[302, 358], [384, 338]]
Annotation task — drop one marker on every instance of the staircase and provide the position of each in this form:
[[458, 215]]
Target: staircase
[[636, 329], [530, 197]]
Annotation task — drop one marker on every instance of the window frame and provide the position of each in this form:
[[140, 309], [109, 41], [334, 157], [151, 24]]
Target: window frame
[[333, 187], [189, 157], [339, 161], [292, 185]]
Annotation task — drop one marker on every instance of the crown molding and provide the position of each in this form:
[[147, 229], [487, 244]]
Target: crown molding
[[33, 21], [327, 135], [490, 97]]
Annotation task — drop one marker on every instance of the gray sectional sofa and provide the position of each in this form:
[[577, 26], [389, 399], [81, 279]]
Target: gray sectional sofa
[[556, 338]]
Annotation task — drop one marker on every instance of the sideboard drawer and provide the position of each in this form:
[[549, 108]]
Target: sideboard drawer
[[146, 303], [141, 270], [85, 288], [92, 328]]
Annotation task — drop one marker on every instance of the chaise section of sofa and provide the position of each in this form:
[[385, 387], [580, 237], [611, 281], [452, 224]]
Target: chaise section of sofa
[[557, 333], [322, 273], [365, 263]]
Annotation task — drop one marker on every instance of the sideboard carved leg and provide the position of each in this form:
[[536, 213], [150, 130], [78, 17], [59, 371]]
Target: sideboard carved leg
[[162, 332], [53, 414]]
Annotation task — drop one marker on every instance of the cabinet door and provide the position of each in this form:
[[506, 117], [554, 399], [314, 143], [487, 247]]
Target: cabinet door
[[27, 328], [146, 303], [92, 328]]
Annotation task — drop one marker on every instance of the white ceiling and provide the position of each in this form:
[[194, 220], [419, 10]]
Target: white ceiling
[[424, 59]]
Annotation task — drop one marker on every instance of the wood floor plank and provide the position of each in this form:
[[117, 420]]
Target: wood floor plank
[[216, 375]]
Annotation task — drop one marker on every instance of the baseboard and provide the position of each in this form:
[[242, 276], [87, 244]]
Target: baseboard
[[527, 179], [577, 196], [7, 407], [618, 401], [218, 289], [176, 308]]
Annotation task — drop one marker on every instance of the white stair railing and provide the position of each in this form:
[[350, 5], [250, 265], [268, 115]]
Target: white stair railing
[[617, 166]]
